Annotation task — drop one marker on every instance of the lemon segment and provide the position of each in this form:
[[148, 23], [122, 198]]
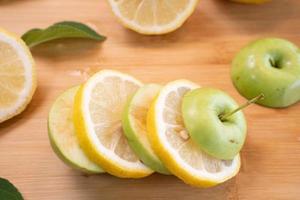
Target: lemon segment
[[153, 17], [17, 75], [134, 124], [171, 142], [98, 109], [62, 134]]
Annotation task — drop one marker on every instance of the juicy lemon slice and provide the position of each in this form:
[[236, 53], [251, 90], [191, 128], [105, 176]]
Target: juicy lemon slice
[[171, 142], [153, 16], [17, 75], [98, 108], [134, 124], [62, 134]]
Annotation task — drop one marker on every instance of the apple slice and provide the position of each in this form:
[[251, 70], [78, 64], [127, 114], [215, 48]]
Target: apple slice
[[63, 137], [135, 129], [251, 1]]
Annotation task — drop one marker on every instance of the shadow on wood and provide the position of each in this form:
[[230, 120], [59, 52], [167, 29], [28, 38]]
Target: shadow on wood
[[17, 121], [155, 186], [62, 49], [255, 19]]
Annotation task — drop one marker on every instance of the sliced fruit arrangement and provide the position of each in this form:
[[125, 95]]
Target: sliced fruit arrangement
[[135, 127], [62, 134], [153, 17], [17, 75], [131, 130]]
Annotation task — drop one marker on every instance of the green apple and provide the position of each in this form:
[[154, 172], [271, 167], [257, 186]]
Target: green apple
[[135, 128], [269, 66], [62, 134], [203, 113]]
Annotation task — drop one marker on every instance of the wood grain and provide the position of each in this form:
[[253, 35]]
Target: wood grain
[[201, 50]]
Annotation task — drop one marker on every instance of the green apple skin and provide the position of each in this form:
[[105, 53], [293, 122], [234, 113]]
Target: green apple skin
[[270, 66], [137, 140], [72, 164], [202, 108]]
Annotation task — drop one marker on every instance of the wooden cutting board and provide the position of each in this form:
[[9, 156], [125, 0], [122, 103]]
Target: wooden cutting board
[[201, 51]]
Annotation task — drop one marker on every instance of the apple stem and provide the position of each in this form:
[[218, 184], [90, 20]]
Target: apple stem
[[255, 99], [272, 62]]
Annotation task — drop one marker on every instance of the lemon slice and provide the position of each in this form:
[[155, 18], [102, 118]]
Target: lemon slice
[[134, 124], [62, 134], [153, 16], [17, 75], [98, 110], [171, 141]]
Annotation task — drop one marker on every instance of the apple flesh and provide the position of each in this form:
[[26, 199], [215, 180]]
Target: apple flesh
[[202, 111], [271, 67], [134, 126]]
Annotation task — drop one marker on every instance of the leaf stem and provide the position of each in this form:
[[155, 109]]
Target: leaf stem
[[255, 99]]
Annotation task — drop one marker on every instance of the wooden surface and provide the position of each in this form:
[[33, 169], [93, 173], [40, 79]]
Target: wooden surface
[[201, 50]]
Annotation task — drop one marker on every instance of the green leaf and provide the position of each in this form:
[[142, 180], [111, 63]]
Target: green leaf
[[66, 29], [8, 191]]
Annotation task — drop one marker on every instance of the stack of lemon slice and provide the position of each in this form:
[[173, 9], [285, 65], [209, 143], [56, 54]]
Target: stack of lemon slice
[[114, 123]]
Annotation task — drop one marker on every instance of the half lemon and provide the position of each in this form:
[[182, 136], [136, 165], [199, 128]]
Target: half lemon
[[153, 17], [17, 75]]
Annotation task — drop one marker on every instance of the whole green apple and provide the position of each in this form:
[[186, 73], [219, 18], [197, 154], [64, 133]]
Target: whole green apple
[[269, 66], [203, 110]]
